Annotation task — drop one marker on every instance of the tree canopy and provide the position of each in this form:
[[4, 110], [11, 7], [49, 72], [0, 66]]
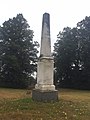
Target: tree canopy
[[72, 56], [18, 52]]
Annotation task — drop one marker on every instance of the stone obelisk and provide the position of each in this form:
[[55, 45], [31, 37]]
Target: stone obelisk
[[45, 89]]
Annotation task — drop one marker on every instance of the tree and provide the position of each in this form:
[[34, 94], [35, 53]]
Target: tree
[[72, 59], [84, 31], [19, 52], [65, 55]]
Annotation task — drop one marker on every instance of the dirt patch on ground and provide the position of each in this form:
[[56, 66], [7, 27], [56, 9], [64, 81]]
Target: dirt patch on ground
[[13, 94]]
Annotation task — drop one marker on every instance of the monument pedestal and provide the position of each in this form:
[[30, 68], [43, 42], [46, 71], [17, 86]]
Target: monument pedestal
[[44, 89], [45, 74], [44, 96]]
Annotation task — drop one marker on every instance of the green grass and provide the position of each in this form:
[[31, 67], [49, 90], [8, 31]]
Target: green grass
[[17, 105]]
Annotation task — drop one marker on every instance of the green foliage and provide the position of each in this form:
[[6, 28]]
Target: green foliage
[[72, 59], [18, 52]]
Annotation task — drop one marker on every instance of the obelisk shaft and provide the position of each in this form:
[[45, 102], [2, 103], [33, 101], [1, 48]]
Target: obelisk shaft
[[45, 37]]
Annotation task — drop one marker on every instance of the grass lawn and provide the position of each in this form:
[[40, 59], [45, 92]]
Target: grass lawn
[[17, 105]]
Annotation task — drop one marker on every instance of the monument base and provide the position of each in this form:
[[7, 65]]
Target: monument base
[[44, 96]]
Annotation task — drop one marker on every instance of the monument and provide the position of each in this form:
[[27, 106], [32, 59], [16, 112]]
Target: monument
[[45, 89]]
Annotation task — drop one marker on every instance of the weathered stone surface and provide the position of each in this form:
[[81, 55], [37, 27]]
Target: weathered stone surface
[[45, 96], [45, 89], [45, 74], [45, 37]]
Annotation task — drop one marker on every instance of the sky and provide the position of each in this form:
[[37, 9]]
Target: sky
[[63, 13]]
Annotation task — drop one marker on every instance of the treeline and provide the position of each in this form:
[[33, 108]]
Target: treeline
[[18, 53], [72, 56]]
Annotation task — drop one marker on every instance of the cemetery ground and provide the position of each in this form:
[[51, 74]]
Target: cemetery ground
[[15, 104]]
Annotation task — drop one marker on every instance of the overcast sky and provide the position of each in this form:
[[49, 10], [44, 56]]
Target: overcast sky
[[63, 13]]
